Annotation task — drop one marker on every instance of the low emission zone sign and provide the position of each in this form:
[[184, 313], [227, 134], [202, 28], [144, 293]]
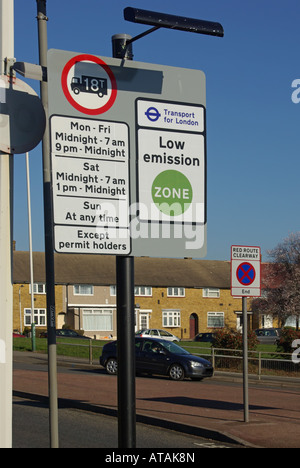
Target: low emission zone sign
[[128, 157], [245, 271]]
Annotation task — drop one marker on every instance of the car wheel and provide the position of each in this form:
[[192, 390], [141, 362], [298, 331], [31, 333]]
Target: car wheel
[[176, 372], [112, 366]]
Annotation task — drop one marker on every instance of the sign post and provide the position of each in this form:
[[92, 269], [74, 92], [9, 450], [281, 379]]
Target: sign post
[[6, 291], [245, 282], [128, 155], [128, 167]]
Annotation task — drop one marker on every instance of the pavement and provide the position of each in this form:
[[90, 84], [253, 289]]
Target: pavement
[[212, 408]]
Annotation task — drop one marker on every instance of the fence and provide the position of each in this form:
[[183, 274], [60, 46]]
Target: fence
[[260, 363]]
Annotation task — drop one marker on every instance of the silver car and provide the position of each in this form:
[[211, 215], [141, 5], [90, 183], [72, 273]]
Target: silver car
[[267, 335], [157, 333]]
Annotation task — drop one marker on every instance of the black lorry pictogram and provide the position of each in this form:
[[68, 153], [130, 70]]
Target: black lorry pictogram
[[89, 84]]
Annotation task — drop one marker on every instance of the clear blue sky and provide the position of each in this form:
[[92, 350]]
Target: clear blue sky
[[253, 127]]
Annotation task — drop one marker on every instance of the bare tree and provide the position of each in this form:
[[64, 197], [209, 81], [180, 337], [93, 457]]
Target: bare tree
[[281, 279]]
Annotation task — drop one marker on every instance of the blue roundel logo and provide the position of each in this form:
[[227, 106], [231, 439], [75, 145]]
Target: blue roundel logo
[[152, 114]]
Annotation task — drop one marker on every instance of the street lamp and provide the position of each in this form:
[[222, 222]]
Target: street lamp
[[181, 23], [125, 265], [122, 42]]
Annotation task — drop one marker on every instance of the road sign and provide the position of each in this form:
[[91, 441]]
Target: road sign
[[89, 84], [128, 157], [22, 116], [90, 183], [171, 162], [245, 271]]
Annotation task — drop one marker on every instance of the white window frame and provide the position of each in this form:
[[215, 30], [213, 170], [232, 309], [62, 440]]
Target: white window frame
[[211, 315], [176, 292], [108, 312], [211, 292], [38, 288], [145, 291], [171, 318], [80, 292], [40, 317]]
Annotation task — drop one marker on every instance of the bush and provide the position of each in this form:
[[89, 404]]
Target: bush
[[288, 335], [229, 339]]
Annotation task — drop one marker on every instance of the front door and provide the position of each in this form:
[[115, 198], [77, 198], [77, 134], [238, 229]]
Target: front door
[[193, 325], [142, 323]]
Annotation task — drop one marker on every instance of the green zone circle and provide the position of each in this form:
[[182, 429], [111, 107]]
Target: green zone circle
[[172, 193]]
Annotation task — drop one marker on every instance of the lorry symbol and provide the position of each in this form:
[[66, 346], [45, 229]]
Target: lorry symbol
[[89, 84]]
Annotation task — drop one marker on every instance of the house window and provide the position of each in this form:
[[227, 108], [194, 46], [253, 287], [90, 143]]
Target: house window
[[97, 319], [215, 319], [171, 318], [143, 291], [83, 290], [113, 290], [39, 317], [176, 292], [211, 292], [38, 288]]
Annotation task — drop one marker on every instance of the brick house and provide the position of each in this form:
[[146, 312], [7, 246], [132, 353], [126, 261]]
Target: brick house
[[183, 296]]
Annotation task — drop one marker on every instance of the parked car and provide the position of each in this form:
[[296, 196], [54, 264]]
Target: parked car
[[156, 333], [267, 335], [18, 335], [157, 356], [65, 333], [204, 337]]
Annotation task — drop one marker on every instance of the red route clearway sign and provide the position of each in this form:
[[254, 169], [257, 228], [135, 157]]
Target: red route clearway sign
[[245, 271]]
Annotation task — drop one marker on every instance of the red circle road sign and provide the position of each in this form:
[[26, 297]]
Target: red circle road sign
[[245, 274], [89, 84]]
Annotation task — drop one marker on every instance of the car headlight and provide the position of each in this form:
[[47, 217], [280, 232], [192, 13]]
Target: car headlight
[[196, 364]]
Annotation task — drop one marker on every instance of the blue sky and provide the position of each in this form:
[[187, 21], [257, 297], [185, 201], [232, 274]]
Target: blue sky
[[253, 137]]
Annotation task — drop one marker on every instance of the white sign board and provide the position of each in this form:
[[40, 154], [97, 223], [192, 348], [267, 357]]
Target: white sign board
[[90, 184], [171, 162], [128, 149], [245, 271]]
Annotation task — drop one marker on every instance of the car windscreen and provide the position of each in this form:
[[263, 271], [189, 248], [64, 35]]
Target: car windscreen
[[173, 348]]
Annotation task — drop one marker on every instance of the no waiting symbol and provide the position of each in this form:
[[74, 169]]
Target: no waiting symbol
[[245, 274]]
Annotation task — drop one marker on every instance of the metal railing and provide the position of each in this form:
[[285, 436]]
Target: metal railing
[[260, 363]]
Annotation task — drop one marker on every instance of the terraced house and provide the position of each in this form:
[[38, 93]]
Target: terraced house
[[182, 296]]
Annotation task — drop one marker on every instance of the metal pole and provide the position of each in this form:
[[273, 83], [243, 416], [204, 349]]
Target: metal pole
[[126, 353], [49, 241], [245, 361], [125, 318], [33, 347], [6, 288]]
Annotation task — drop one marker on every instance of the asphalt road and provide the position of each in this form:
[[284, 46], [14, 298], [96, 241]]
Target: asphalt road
[[80, 429], [215, 406]]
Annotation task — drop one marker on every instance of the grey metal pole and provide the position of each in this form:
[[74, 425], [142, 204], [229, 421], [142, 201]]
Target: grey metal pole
[[245, 361], [33, 342], [6, 223], [125, 318], [49, 241], [126, 353]]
